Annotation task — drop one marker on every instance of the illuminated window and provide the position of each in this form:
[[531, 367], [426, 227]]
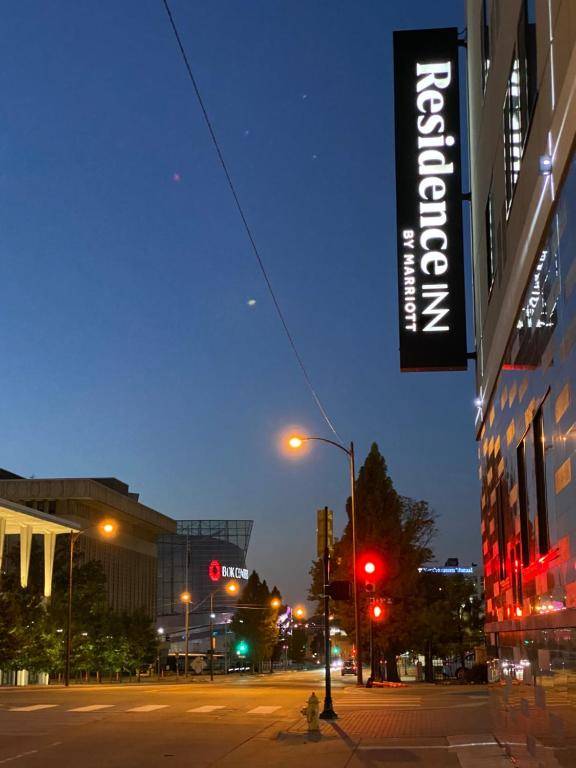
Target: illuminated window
[[531, 456], [501, 514], [512, 131], [520, 98]]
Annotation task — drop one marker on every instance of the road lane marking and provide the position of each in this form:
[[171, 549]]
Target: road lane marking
[[18, 757], [32, 707], [208, 708], [91, 708], [262, 710], [148, 708]]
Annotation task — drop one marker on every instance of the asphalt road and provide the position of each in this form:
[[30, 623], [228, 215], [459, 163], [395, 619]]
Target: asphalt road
[[244, 721]]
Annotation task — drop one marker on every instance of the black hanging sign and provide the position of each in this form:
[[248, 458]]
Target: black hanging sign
[[429, 201]]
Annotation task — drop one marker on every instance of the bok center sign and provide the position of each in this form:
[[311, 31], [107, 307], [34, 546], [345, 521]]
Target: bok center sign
[[429, 201]]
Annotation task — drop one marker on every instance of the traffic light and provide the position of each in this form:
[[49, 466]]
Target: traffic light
[[241, 648], [370, 572], [377, 611]]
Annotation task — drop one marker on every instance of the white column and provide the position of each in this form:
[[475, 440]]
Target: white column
[[49, 547], [2, 534], [25, 547]]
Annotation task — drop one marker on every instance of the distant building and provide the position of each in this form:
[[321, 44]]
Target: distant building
[[201, 558], [129, 560], [522, 123]]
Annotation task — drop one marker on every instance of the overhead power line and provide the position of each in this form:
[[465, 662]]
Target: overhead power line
[[245, 222]]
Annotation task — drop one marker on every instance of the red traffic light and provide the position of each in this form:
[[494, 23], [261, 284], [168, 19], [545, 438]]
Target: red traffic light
[[370, 570], [377, 612]]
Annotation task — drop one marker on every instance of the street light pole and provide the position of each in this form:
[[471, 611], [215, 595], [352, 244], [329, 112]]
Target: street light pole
[[72, 542], [211, 637], [296, 442], [359, 680], [187, 630], [328, 712]]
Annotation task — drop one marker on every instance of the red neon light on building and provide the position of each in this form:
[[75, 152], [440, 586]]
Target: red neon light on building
[[215, 570]]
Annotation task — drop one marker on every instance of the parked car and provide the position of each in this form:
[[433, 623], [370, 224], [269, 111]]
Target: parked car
[[348, 667], [453, 667]]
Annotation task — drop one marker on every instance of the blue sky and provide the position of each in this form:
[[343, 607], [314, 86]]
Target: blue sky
[[129, 348]]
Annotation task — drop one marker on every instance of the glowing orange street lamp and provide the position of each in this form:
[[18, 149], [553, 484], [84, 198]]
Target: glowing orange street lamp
[[299, 613], [232, 588], [296, 442], [275, 602]]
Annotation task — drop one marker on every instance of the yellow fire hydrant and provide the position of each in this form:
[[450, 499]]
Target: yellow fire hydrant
[[312, 713]]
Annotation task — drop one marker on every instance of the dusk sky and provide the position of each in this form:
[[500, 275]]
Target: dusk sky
[[129, 345]]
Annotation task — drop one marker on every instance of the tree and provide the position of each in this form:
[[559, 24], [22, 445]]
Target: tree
[[451, 617], [397, 531], [257, 624]]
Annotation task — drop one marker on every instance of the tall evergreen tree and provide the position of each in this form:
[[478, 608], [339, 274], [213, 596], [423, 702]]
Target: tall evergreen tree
[[397, 531]]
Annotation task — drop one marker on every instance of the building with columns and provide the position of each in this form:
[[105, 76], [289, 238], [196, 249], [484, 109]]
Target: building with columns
[[129, 559]]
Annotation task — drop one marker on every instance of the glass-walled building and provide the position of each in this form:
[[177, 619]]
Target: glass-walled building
[[200, 558], [522, 112]]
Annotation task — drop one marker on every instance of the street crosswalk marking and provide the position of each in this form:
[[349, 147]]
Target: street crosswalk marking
[[362, 699], [148, 708], [262, 710], [91, 708], [32, 707], [208, 708]]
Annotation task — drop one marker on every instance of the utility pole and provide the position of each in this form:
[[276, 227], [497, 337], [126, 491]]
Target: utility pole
[[187, 630], [328, 712], [211, 629]]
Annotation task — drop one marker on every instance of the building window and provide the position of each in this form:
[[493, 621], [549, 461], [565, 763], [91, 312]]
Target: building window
[[485, 43], [532, 492], [528, 57], [540, 477], [490, 241], [512, 131], [501, 515], [525, 537], [520, 98]]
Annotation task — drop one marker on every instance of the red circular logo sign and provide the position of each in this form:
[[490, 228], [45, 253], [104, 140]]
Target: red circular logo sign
[[215, 570]]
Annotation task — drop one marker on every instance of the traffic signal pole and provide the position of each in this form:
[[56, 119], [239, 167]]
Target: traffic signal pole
[[328, 712], [358, 633]]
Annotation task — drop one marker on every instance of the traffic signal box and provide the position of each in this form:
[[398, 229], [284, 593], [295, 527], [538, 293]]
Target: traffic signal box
[[370, 572], [339, 590]]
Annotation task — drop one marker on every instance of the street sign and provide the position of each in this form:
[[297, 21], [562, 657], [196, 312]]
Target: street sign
[[324, 526]]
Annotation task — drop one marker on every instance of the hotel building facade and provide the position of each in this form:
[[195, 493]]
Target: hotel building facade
[[522, 125]]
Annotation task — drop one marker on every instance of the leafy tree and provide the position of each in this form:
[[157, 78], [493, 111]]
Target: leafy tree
[[451, 617], [140, 640], [297, 645], [258, 623]]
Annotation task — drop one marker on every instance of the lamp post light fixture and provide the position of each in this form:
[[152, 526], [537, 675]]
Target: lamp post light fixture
[[107, 528], [186, 598], [296, 442]]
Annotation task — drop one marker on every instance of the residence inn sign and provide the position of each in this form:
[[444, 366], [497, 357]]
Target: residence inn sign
[[429, 201]]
